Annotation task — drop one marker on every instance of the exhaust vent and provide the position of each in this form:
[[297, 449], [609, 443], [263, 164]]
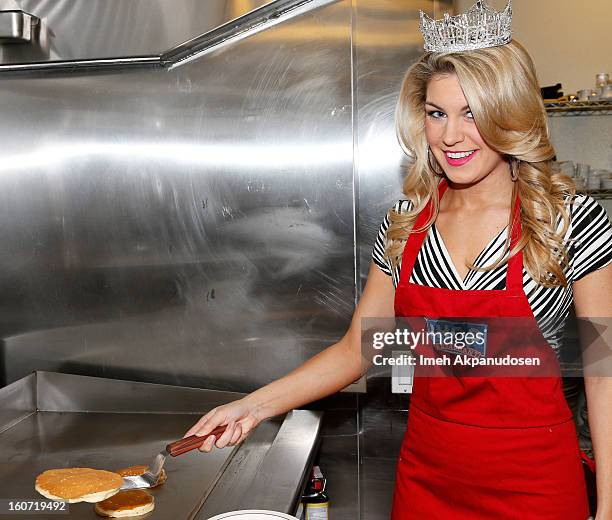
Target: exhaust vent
[[161, 33]]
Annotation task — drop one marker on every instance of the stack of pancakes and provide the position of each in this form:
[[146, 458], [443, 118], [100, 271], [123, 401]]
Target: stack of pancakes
[[100, 487]]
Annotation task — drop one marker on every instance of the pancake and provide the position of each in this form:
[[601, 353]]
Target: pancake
[[134, 502], [78, 484], [135, 471]]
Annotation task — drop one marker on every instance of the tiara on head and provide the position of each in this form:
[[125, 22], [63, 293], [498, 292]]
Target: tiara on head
[[479, 28]]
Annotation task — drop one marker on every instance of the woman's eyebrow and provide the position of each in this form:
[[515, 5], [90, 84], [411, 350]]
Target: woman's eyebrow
[[434, 105], [466, 107]]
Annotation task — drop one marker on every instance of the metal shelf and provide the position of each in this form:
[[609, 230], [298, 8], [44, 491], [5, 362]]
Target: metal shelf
[[598, 194], [579, 108]]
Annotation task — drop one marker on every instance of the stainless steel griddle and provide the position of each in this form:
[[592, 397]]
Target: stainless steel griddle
[[50, 420]]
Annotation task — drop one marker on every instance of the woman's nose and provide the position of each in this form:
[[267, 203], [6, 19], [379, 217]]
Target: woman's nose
[[453, 133]]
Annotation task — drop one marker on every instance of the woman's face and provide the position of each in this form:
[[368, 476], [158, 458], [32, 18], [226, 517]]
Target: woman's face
[[453, 136]]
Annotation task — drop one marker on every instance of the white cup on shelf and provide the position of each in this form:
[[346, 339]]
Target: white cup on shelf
[[588, 94], [602, 79], [605, 93]]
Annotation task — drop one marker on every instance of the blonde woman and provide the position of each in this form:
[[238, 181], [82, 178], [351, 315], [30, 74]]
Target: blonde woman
[[488, 228]]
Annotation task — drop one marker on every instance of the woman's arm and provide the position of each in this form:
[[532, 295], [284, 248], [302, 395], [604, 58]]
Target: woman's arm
[[593, 299], [322, 375]]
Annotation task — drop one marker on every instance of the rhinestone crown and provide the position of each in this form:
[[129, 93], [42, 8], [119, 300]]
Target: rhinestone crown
[[479, 28]]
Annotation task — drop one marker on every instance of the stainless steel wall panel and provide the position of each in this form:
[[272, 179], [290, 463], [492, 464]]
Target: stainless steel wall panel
[[197, 225], [186, 227]]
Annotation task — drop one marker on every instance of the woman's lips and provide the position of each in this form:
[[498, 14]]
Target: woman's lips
[[459, 161]]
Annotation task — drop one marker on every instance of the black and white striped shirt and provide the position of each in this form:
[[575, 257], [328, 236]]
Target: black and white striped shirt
[[589, 237]]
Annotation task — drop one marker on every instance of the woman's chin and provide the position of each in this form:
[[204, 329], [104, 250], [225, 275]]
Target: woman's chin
[[458, 178]]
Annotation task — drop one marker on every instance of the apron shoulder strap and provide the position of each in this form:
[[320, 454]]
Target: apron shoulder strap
[[514, 276], [415, 239]]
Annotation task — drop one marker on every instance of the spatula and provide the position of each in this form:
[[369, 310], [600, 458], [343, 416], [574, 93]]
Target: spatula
[[150, 477]]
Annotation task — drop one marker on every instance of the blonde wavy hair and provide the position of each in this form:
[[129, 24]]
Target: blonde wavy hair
[[501, 88]]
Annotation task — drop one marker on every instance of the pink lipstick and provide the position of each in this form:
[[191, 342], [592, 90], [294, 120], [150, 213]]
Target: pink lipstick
[[459, 158]]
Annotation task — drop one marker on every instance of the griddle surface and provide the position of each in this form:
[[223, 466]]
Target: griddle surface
[[110, 441]]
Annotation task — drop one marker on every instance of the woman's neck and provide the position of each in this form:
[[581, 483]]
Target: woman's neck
[[493, 190]]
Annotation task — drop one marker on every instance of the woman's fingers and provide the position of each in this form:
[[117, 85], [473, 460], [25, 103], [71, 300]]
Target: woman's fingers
[[206, 423], [208, 444], [195, 429], [227, 435], [244, 435], [237, 434]]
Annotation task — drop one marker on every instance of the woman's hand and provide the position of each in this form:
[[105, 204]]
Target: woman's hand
[[239, 416]]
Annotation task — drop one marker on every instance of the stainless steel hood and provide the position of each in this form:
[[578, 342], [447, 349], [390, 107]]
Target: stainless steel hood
[[102, 33]]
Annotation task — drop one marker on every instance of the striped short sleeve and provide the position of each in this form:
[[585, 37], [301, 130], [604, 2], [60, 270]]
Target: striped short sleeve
[[378, 252], [590, 236]]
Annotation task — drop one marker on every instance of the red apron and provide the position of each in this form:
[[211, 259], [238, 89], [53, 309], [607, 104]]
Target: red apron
[[494, 448]]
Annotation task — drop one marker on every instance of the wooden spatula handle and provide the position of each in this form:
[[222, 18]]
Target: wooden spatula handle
[[192, 442]]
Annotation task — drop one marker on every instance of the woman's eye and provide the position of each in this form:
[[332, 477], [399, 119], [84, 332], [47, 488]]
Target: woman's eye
[[436, 114], [469, 114]]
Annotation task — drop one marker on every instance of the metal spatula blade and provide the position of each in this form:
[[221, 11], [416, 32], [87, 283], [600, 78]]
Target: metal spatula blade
[[150, 477]]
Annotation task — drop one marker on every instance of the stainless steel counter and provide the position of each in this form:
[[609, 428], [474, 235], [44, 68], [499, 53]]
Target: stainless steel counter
[[50, 420]]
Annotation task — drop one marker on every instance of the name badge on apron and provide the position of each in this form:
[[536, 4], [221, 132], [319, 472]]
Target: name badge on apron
[[455, 337]]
